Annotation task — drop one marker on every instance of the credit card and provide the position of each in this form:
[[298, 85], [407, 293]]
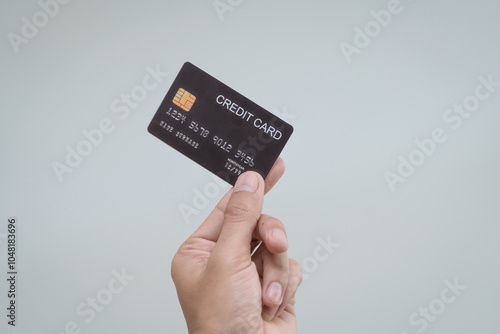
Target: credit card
[[217, 127]]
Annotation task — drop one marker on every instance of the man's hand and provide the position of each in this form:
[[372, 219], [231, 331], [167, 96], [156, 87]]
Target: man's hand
[[221, 287]]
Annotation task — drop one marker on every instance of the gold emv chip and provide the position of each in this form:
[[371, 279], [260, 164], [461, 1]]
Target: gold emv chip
[[184, 99]]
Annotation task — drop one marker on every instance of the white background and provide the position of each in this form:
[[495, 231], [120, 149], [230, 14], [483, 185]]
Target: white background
[[119, 209]]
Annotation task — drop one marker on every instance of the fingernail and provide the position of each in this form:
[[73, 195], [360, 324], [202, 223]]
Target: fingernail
[[269, 314], [279, 235], [267, 317], [247, 182], [274, 292]]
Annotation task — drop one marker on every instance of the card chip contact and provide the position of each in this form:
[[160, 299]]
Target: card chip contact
[[184, 99]]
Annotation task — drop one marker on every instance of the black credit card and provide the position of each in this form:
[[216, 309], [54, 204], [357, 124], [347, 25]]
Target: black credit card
[[217, 127]]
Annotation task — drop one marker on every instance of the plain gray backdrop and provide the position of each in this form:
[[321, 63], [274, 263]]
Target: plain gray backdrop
[[360, 103]]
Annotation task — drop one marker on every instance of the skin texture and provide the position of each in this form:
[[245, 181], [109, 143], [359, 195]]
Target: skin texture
[[221, 287]]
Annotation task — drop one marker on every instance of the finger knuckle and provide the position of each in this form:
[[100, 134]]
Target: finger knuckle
[[237, 210], [264, 217], [271, 222], [296, 270], [282, 267]]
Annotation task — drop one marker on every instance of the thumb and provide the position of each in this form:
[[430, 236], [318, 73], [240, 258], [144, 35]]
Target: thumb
[[243, 210]]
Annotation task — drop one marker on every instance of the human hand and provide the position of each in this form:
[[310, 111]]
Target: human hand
[[222, 288]]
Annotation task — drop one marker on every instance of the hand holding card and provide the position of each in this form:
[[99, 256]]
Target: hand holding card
[[221, 286]]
